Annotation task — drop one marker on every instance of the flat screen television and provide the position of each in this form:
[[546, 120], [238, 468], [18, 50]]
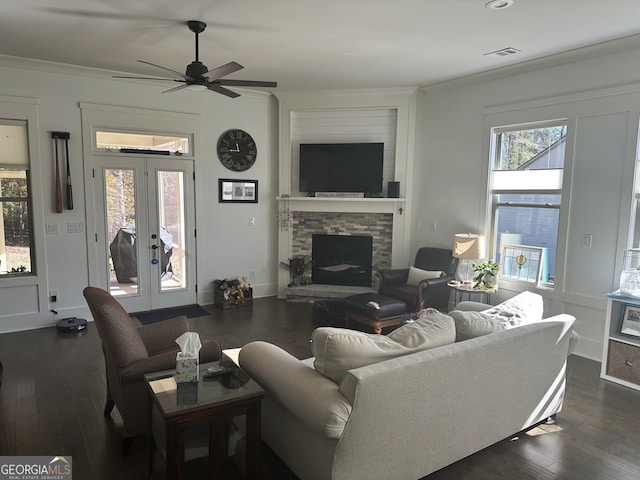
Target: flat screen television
[[341, 167]]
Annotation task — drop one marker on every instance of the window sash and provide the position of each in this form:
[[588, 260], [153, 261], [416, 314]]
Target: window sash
[[526, 180]]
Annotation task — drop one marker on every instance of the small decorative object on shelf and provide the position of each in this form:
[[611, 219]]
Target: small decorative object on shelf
[[485, 274], [232, 293], [630, 276]]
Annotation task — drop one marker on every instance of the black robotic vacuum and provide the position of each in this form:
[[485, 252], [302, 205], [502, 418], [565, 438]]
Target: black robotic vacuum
[[71, 324]]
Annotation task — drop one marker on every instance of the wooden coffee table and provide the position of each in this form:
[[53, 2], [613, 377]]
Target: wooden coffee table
[[178, 410]]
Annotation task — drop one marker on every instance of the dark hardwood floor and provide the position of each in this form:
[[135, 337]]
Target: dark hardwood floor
[[53, 391]]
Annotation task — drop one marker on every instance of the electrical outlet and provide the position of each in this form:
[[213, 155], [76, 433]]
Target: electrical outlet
[[53, 296], [252, 275], [52, 228], [75, 227]]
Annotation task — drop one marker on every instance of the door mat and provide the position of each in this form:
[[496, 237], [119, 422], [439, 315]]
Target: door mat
[[190, 311]]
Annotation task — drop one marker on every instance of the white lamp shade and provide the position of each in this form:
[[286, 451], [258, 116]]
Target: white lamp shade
[[468, 246]]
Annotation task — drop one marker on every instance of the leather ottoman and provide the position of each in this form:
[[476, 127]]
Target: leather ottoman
[[374, 310]]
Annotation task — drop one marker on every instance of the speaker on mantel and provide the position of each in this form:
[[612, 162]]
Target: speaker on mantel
[[393, 189]]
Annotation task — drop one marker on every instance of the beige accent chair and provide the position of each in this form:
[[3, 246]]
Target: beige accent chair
[[130, 352]]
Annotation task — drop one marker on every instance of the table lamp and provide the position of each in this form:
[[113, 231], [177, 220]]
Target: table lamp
[[467, 247]]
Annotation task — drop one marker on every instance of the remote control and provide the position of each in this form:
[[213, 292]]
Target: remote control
[[217, 371]]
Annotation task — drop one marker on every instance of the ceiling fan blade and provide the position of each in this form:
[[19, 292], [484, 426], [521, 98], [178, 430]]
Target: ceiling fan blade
[[222, 90], [222, 70], [179, 87], [108, 15], [147, 78], [246, 83], [169, 19], [179, 74]]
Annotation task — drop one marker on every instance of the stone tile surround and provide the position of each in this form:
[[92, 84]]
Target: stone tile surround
[[378, 225]]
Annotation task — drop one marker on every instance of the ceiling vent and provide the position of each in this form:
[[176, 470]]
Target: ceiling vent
[[505, 52]]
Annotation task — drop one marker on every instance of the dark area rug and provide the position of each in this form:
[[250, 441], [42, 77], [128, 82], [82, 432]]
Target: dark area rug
[[146, 318]]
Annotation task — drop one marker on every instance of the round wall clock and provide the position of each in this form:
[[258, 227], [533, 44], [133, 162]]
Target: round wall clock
[[237, 150]]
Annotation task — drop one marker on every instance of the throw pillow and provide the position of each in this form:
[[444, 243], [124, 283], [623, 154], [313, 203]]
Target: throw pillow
[[431, 329], [526, 307], [470, 324], [416, 275], [337, 350]]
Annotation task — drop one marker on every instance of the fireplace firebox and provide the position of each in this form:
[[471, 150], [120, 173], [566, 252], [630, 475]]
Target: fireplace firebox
[[341, 259]]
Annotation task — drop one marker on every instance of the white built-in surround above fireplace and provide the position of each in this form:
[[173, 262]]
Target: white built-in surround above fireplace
[[333, 118]]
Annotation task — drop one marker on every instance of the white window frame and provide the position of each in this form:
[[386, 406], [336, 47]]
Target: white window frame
[[27, 294], [545, 181]]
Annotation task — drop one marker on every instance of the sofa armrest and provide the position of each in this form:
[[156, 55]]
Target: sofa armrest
[[439, 283], [396, 276], [134, 372], [161, 336], [569, 321], [434, 282], [310, 397]]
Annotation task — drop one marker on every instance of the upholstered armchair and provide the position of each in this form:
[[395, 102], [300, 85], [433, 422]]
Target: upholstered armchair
[[422, 285], [130, 352]]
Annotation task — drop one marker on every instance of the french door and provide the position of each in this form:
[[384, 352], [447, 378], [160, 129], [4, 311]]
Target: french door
[[145, 230]]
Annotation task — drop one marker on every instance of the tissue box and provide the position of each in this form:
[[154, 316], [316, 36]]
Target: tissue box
[[187, 369]]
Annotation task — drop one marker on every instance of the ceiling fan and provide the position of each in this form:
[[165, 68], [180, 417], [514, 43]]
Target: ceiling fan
[[198, 77]]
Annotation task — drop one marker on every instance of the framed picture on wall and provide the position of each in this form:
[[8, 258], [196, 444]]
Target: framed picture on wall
[[631, 321], [237, 191]]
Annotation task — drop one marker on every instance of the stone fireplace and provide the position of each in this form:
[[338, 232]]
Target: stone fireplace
[[378, 226], [300, 218]]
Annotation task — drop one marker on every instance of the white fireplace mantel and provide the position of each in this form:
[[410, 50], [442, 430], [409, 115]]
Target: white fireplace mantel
[[343, 204]]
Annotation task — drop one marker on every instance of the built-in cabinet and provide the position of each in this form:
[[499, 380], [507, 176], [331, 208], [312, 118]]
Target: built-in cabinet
[[621, 352]]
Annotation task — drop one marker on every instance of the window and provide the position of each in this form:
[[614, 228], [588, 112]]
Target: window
[[16, 243], [112, 141], [525, 189]]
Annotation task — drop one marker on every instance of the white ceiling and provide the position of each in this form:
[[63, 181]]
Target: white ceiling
[[312, 44]]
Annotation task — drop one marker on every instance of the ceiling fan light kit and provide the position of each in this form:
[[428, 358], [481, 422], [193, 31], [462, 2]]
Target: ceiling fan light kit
[[197, 76]]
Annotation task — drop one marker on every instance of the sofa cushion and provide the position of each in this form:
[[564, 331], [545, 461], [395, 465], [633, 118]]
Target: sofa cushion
[[337, 350], [416, 275]]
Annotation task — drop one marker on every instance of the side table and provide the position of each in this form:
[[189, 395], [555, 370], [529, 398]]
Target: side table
[[461, 288], [178, 409]]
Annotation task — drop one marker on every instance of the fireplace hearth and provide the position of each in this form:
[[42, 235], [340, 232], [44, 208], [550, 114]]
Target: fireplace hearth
[[341, 259]]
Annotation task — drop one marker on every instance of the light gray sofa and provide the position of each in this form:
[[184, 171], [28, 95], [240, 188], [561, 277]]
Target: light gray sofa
[[408, 416]]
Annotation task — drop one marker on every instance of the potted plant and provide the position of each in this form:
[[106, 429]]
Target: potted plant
[[485, 274]]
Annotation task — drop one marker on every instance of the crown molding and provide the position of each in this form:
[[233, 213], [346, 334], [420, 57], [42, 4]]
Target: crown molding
[[91, 72], [631, 42]]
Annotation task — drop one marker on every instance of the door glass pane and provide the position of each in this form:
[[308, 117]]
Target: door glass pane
[[121, 231], [171, 218]]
